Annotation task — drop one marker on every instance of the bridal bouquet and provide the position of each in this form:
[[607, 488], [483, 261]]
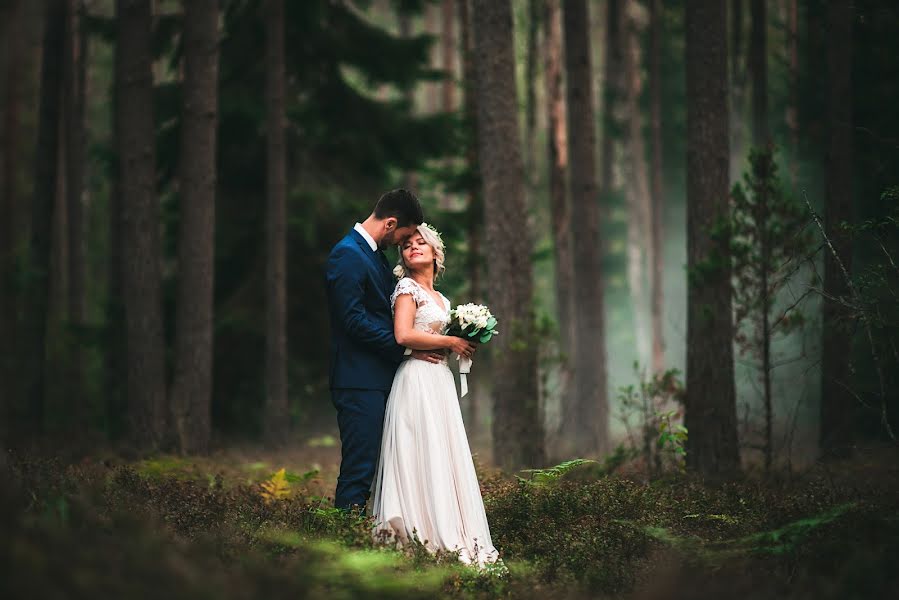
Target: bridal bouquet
[[475, 323]]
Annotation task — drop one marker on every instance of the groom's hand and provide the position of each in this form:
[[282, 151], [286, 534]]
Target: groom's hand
[[431, 356]]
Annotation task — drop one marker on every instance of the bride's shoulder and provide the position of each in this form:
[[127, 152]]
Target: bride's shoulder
[[406, 285]]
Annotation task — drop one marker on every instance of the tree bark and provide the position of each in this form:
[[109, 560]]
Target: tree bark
[[75, 161], [611, 89], [557, 143], [639, 229], [758, 67], [656, 252], [738, 88], [836, 400], [792, 116], [530, 82], [559, 209], [45, 186], [192, 385], [586, 417], [276, 408], [141, 277], [517, 422], [13, 25], [475, 208], [710, 409]]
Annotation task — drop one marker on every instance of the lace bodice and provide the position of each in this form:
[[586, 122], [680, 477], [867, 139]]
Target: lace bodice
[[429, 316]]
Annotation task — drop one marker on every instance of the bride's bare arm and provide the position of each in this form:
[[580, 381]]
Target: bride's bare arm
[[406, 334]]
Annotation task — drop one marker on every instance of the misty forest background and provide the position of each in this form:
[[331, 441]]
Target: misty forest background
[[683, 214]]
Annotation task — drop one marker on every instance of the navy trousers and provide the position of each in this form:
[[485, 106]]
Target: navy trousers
[[360, 417]]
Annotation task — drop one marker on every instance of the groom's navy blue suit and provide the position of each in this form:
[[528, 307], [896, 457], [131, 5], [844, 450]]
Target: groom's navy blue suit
[[364, 359]]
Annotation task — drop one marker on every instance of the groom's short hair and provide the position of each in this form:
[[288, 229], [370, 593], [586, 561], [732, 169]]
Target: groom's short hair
[[401, 204]]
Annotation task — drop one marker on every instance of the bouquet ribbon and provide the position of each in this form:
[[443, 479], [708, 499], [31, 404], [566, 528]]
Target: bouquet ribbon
[[464, 370]]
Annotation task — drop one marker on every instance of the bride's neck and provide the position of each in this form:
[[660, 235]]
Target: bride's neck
[[423, 279]]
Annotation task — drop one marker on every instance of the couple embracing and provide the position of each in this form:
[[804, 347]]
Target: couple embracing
[[403, 442]]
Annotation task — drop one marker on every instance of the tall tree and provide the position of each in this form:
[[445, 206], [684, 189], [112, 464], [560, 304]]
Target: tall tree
[[276, 409], [792, 116], [836, 399], [758, 69], [45, 185], [611, 92], [586, 416], [737, 86], [656, 253], [636, 170], [74, 118], [557, 143], [530, 82], [517, 422], [475, 208], [711, 405], [12, 23], [192, 384], [141, 276]]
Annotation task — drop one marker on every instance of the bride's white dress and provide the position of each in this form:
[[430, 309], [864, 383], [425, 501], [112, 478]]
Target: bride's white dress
[[425, 484]]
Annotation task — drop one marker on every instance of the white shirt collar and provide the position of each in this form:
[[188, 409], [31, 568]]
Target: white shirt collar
[[371, 241]]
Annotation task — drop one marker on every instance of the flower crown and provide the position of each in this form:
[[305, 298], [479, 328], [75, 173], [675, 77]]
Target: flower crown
[[437, 233]]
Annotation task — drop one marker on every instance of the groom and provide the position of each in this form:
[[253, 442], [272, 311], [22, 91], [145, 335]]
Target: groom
[[364, 353]]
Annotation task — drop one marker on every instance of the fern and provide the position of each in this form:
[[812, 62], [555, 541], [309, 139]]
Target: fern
[[542, 477], [276, 488]]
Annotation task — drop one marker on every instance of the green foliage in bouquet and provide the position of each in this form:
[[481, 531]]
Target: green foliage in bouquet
[[473, 322]]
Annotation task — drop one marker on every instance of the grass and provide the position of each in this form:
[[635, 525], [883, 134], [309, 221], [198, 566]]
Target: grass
[[178, 528]]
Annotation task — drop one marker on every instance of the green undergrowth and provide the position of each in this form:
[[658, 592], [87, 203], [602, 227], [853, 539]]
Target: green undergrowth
[[167, 528]]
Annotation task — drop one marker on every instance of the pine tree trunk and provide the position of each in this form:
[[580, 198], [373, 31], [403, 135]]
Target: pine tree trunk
[[475, 208], [141, 277], [557, 139], [793, 107], [530, 82], [710, 409], [758, 67], [192, 384], [836, 400], [13, 22], [75, 162], [636, 177], [276, 409], [115, 363], [517, 422], [586, 417], [738, 89], [656, 252], [612, 85], [44, 196]]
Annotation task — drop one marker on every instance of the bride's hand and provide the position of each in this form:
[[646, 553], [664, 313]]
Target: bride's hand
[[460, 346]]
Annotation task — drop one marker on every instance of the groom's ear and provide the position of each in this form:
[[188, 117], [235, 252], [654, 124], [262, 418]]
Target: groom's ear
[[390, 223]]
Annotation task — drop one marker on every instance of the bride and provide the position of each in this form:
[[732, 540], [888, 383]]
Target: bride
[[425, 485]]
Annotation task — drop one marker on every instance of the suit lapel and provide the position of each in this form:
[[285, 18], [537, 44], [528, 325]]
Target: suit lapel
[[381, 266]]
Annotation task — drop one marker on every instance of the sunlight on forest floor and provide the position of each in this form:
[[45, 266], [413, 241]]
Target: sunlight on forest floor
[[246, 522]]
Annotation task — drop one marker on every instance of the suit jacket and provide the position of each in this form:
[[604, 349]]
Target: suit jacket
[[364, 353]]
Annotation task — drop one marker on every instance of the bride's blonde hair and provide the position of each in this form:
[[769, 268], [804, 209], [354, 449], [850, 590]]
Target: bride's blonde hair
[[432, 238]]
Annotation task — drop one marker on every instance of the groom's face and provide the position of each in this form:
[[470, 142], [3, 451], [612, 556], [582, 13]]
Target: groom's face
[[394, 236]]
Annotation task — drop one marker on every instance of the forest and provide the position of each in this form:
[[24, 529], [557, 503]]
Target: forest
[[683, 214]]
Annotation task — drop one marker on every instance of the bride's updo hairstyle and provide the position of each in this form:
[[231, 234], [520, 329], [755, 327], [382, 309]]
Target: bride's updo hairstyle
[[432, 238]]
